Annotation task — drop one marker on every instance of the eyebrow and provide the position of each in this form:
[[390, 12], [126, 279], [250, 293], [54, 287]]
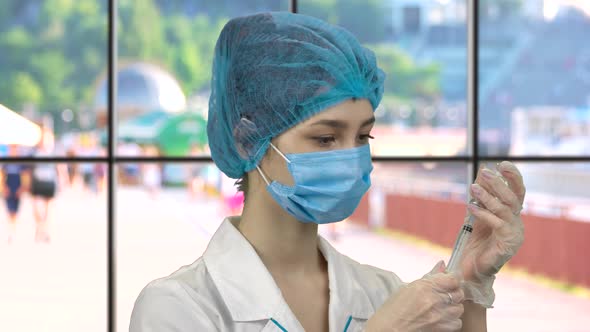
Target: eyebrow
[[341, 124]]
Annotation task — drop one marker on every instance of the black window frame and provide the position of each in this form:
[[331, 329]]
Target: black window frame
[[472, 160]]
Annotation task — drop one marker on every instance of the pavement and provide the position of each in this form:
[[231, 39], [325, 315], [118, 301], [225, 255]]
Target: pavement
[[62, 286]]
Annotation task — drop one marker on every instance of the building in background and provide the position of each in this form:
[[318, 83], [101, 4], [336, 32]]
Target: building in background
[[141, 88]]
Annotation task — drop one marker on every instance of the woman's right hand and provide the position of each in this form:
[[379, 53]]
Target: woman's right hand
[[423, 305]]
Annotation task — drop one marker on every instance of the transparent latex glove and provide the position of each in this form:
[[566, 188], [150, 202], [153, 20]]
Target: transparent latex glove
[[433, 303], [498, 230]]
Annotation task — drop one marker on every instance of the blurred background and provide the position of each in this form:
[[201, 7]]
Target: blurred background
[[533, 101]]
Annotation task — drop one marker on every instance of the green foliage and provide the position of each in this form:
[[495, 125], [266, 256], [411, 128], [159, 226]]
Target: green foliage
[[21, 88], [20, 43], [366, 19], [406, 79], [140, 30], [191, 43], [53, 51]]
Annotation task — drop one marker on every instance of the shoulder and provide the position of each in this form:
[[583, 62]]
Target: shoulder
[[184, 301], [377, 283]]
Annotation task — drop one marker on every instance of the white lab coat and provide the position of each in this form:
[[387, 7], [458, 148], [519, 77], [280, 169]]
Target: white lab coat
[[230, 289]]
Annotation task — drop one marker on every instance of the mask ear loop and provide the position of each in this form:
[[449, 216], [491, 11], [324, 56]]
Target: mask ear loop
[[262, 174], [280, 153], [260, 170]]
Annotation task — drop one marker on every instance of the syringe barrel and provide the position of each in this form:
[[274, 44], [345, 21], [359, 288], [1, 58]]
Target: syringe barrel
[[459, 247]]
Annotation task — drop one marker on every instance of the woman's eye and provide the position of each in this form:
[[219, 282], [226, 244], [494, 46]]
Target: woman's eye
[[325, 140], [365, 138]]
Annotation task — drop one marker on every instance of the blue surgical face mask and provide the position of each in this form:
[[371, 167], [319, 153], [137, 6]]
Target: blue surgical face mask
[[328, 185]]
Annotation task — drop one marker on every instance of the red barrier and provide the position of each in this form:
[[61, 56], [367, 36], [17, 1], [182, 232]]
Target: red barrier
[[555, 247], [435, 220], [361, 214]]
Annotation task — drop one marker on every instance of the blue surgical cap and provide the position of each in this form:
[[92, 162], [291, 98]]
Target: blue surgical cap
[[272, 71]]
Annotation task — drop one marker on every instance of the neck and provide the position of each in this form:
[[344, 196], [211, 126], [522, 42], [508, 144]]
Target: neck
[[284, 244]]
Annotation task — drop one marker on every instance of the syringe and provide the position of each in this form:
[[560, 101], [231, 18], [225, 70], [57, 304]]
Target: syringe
[[462, 238]]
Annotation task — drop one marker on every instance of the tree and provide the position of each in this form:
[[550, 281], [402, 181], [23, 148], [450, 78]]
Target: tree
[[406, 79], [54, 50], [191, 44], [58, 66], [20, 88], [140, 30]]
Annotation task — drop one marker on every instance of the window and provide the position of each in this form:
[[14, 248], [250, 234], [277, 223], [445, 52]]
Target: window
[[117, 92], [424, 107]]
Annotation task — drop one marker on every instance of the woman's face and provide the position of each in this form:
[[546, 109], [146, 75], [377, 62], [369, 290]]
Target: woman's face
[[344, 126]]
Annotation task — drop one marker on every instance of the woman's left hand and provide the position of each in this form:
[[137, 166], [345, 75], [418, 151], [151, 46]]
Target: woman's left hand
[[498, 231]]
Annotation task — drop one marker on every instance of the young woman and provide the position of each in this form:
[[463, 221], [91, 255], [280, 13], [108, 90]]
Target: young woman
[[290, 114]]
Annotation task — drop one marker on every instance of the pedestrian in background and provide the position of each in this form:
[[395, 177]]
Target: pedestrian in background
[[45, 178], [13, 187]]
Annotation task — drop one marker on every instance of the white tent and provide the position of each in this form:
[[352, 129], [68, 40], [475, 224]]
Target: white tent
[[15, 129]]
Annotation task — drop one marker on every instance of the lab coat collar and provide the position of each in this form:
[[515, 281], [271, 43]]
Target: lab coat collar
[[250, 292], [346, 290], [247, 288]]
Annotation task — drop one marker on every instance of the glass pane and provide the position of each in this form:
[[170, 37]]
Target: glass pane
[[164, 70], [556, 190], [421, 46], [427, 202], [53, 90], [557, 227], [182, 206], [534, 78], [53, 247]]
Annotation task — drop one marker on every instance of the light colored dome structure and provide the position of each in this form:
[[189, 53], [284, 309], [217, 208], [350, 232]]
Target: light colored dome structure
[[142, 87]]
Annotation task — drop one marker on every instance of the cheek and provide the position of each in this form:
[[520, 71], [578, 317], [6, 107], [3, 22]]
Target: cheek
[[282, 174], [280, 171], [275, 168]]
